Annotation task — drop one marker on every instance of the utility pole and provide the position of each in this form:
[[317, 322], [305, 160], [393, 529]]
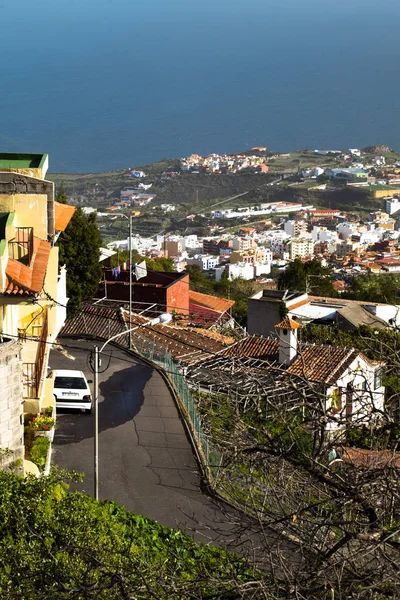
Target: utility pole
[[96, 423], [130, 280]]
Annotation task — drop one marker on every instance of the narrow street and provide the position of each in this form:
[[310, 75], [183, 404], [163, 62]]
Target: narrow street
[[146, 462]]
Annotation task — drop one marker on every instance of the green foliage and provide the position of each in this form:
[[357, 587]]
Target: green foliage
[[308, 276], [61, 195], [198, 280], [55, 544], [156, 264], [220, 415], [39, 450], [79, 248], [374, 288]]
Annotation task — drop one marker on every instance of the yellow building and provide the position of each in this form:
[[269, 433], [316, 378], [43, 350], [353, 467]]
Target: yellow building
[[32, 287]]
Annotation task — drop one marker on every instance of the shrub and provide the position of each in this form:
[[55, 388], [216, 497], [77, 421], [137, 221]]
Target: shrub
[[40, 448]]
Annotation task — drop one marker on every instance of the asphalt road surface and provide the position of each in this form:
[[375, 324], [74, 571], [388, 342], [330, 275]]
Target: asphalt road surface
[[146, 462]]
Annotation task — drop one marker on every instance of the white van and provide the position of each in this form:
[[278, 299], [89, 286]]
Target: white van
[[71, 390]]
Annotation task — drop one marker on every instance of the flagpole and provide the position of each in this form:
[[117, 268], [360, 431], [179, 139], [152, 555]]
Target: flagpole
[[130, 281]]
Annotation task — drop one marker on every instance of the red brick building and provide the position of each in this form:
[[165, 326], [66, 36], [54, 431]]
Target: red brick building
[[168, 291]]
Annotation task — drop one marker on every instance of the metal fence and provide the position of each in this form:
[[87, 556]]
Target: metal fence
[[209, 455]]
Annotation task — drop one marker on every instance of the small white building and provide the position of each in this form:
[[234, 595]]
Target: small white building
[[392, 204], [350, 383], [346, 229], [204, 261], [191, 242], [322, 234]]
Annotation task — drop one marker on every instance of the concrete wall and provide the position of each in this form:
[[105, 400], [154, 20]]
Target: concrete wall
[[11, 404], [262, 316]]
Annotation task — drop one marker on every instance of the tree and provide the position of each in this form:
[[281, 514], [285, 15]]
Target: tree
[[79, 248], [307, 276], [61, 195], [374, 288], [155, 264], [58, 545], [295, 477]]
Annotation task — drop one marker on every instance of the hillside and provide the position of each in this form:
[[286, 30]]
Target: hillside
[[197, 193]]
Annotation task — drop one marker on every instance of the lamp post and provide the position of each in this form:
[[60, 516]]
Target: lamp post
[[130, 271], [163, 318]]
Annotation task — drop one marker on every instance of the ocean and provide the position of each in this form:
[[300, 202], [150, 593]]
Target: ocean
[[108, 84]]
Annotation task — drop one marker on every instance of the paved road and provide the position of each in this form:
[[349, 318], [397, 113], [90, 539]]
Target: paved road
[[146, 462]]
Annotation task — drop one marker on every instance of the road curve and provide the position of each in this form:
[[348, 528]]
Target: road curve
[[146, 462]]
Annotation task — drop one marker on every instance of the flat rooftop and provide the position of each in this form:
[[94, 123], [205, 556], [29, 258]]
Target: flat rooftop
[[15, 160]]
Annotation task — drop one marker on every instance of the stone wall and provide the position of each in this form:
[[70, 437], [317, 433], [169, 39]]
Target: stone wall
[[11, 403]]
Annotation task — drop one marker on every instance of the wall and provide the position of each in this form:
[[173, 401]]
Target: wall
[[11, 405], [178, 296], [262, 316], [30, 209], [388, 192]]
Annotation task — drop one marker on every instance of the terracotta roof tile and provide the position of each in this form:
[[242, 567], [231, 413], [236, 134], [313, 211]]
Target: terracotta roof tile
[[287, 323], [220, 305], [63, 215], [370, 459], [259, 347], [28, 280], [323, 364], [183, 344]]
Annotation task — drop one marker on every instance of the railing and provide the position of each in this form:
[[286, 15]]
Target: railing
[[21, 247], [33, 372], [30, 380], [209, 455]]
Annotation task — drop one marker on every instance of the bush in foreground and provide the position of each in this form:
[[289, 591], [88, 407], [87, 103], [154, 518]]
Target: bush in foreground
[[55, 544]]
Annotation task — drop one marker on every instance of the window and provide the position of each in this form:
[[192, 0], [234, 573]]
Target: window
[[378, 378]]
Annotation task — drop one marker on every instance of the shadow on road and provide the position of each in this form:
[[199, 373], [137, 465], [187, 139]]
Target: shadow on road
[[121, 398]]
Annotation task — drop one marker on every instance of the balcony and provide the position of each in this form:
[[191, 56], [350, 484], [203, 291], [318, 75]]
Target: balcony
[[34, 353], [20, 248]]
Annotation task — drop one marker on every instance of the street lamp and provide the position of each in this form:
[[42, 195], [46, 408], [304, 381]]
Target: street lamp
[[130, 270], [163, 318]]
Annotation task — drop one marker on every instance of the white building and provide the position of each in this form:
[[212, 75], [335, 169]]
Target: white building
[[243, 270], [168, 207], [392, 205], [346, 229], [322, 234], [204, 261], [351, 383], [191, 242], [295, 228], [243, 243]]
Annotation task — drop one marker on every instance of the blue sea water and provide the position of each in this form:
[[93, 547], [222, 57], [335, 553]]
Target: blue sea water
[[106, 84]]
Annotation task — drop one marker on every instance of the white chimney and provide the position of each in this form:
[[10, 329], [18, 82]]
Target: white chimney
[[287, 332]]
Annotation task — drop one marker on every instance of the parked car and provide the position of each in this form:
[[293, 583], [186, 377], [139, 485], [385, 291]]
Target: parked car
[[71, 390]]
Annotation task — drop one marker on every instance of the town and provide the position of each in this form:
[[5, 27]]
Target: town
[[257, 359]]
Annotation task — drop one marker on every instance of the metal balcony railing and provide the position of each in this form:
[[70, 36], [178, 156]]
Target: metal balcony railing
[[33, 372], [21, 247]]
